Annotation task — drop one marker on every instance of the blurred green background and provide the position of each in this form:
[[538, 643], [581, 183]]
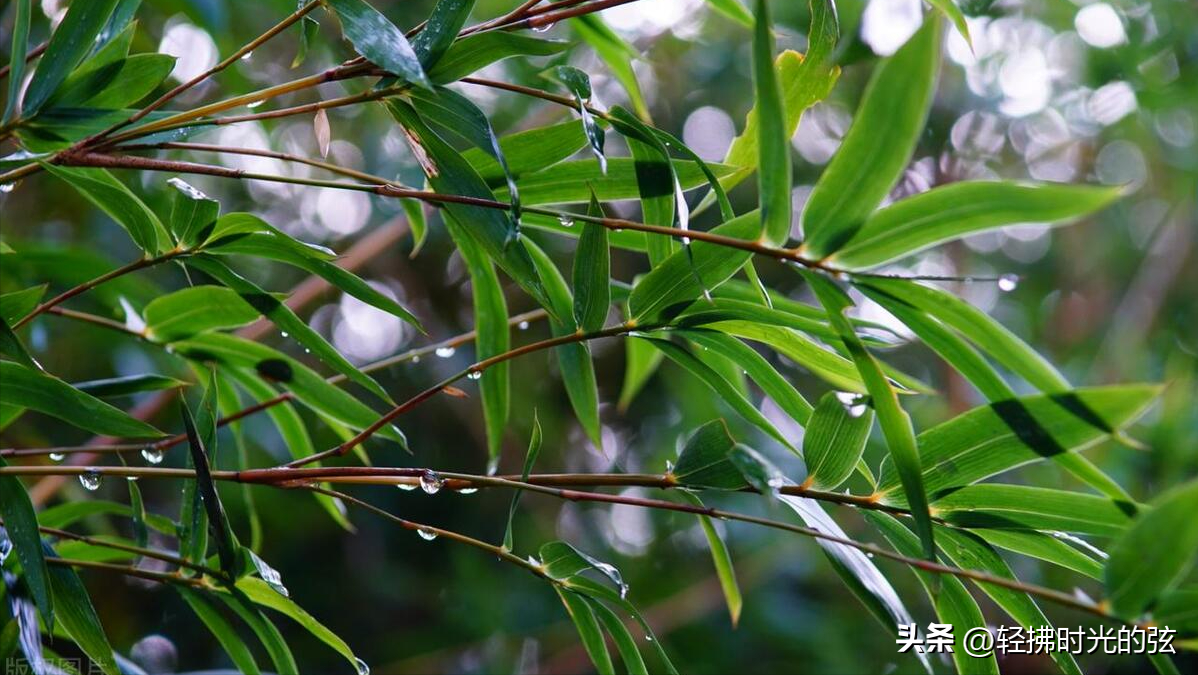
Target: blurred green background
[[1097, 92]]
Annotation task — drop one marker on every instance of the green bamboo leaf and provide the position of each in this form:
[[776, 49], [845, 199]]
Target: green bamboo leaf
[[823, 363], [592, 589], [629, 653], [968, 552], [75, 613], [675, 283], [885, 130], [27, 388], [1178, 609], [563, 562], [286, 320], [17, 304], [592, 269], [241, 232], [1003, 435], [951, 600], [129, 384], [588, 630], [312, 260], [527, 152], [193, 215], [1020, 507], [758, 368], [530, 458], [574, 358], [720, 386], [221, 629], [201, 442], [262, 594], [1142, 565], [722, 559], [308, 30], [492, 336], [376, 38], [64, 515], [112, 197], [1051, 548], [10, 346], [268, 634], [658, 187], [449, 173], [309, 388], [952, 211], [20, 521], [835, 441], [112, 86], [573, 182], [805, 78], [703, 462], [896, 425], [70, 43], [954, 13], [579, 85], [195, 310], [440, 30], [616, 53], [640, 362], [475, 52], [773, 148], [20, 42]]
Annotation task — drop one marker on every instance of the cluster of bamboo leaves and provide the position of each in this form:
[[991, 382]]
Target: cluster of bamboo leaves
[[701, 306]]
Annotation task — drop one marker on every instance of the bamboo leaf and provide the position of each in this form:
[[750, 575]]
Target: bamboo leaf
[[1020, 507], [572, 182], [952, 211], [268, 634], [10, 346], [1050, 548], [733, 10], [660, 192], [529, 151], [262, 594], [440, 30], [530, 458], [195, 310], [130, 384], [202, 442], [475, 52], [27, 388], [75, 613], [773, 149], [221, 629], [629, 653], [640, 362], [579, 85], [616, 53], [1142, 566], [896, 425], [823, 363], [722, 559], [703, 462], [20, 523], [20, 41], [112, 86], [592, 269], [835, 441], [588, 630], [112, 197], [885, 130], [193, 214], [17, 304], [70, 43], [376, 38], [991, 439]]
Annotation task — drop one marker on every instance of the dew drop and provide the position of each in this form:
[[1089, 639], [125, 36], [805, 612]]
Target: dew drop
[[431, 483], [467, 491], [255, 104], [445, 352], [152, 454], [523, 325], [1008, 282], [854, 404], [132, 479], [57, 456], [284, 334], [475, 374], [533, 561], [648, 638], [415, 358], [565, 221], [361, 667], [7, 187], [406, 487], [247, 56], [427, 535], [544, 28], [90, 480], [686, 241]]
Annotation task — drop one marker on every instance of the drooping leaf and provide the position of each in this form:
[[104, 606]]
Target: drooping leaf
[[588, 630], [1006, 434], [195, 310], [616, 53], [952, 211], [640, 362], [16, 61], [192, 214], [376, 38], [721, 559], [625, 645], [440, 30], [756, 367], [895, 423], [579, 85], [835, 441], [1142, 564], [530, 458], [877, 147], [70, 43], [773, 150], [475, 52], [528, 152], [268, 634], [658, 186], [592, 269], [75, 613], [130, 384], [201, 442], [572, 182], [111, 196], [221, 629], [20, 522], [27, 388], [1051, 548]]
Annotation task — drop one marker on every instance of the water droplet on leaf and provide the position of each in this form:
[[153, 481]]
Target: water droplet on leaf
[[565, 221], [363, 669]]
